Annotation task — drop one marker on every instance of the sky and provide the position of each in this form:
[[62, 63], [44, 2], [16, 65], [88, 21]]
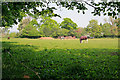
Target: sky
[[82, 20]]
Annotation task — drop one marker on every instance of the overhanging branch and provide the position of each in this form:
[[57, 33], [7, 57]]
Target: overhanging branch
[[90, 5]]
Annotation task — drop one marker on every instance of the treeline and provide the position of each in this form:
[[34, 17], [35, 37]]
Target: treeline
[[110, 28], [46, 27]]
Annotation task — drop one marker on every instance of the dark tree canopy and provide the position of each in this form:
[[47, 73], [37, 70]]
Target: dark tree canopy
[[13, 12]]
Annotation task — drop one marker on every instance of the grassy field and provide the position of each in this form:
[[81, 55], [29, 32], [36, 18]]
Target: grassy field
[[67, 44], [60, 59]]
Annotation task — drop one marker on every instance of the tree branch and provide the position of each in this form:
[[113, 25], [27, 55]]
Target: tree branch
[[90, 5]]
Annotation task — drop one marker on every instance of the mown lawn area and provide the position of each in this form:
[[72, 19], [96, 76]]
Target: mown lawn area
[[60, 59]]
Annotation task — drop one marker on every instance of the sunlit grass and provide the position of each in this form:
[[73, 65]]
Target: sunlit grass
[[67, 44]]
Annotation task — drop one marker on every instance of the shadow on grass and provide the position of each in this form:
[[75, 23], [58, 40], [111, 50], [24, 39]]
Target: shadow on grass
[[58, 63]]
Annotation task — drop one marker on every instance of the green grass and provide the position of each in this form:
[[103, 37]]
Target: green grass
[[67, 44], [60, 59]]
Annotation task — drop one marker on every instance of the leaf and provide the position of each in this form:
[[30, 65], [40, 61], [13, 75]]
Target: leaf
[[83, 12], [109, 14], [104, 14]]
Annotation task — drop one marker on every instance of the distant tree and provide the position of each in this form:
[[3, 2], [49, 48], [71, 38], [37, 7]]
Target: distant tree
[[23, 23], [62, 32], [114, 31], [34, 23], [72, 32], [81, 32], [30, 30], [55, 32], [49, 27], [118, 22], [4, 31], [78, 31], [68, 24], [118, 25], [113, 28], [94, 29], [106, 29]]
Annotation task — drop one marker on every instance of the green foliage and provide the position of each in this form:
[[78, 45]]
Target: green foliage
[[72, 33], [30, 30], [80, 32], [68, 24], [114, 30], [23, 23], [118, 25], [94, 29], [118, 22], [106, 29], [17, 10], [108, 8], [11, 11], [111, 27], [4, 31], [70, 62], [49, 27], [63, 32]]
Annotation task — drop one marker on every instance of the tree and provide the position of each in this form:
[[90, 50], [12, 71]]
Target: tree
[[23, 23], [81, 32], [94, 29], [118, 25], [4, 31], [113, 28], [68, 24], [30, 30], [114, 31], [13, 11], [72, 32], [106, 29], [62, 32], [49, 27]]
